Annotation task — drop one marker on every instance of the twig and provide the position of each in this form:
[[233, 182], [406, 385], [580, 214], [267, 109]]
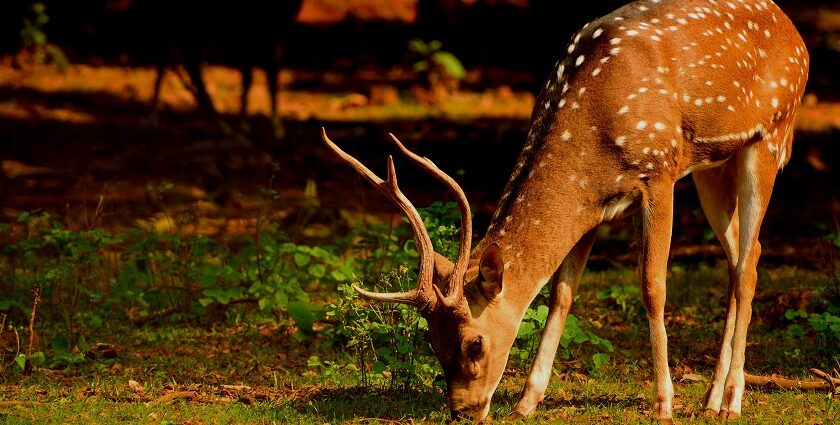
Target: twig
[[171, 396], [828, 382], [35, 300], [17, 339], [235, 387], [834, 382]]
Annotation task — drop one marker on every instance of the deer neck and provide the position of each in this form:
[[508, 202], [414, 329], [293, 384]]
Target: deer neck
[[549, 203]]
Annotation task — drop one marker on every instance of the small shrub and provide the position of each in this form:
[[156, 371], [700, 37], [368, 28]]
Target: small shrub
[[33, 37], [388, 340], [439, 70], [627, 299]]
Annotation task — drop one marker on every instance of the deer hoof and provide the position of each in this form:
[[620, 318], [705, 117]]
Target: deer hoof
[[710, 413], [727, 415], [517, 415]]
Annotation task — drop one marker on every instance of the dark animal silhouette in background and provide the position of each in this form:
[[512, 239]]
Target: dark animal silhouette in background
[[246, 34]]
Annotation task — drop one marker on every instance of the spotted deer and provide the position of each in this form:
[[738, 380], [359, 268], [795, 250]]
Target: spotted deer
[[647, 94]]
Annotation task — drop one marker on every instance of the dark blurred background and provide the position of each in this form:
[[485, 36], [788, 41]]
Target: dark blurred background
[[107, 98]]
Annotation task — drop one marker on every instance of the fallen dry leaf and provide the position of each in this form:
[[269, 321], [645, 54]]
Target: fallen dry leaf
[[696, 377], [135, 386]]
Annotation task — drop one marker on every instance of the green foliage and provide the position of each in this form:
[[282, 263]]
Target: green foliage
[[574, 338], [816, 327], [151, 274], [34, 40], [825, 326], [387, 340], [627, 298], [437, 67], [93, 277]]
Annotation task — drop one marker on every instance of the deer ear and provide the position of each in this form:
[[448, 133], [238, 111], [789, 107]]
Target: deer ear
[[443, 270], [490, 272]]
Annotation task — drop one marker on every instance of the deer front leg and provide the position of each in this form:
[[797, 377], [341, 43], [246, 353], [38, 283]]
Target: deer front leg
[[563, 288], [657, 219]]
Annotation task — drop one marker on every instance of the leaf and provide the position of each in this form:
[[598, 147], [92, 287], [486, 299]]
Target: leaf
[[542, 314], [526, 328], [304, 319], [386, 353], [301, 259], [317, 270], [418, 46], [338, 275], [313, 361], [222, 295], [20, 360], [405, 347], [600, 360], [696, 377], [37, 358], [451, 64]]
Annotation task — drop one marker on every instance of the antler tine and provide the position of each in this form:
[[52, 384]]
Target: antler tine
[[455, 289], [423, 296]]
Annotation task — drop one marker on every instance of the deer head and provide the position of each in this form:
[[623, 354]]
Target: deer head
[[471, 340]]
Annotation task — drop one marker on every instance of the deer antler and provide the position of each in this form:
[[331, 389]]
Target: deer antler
[[423, 296], [455, 289]]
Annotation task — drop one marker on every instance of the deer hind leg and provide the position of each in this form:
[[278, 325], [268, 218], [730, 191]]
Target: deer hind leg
[[756, 174], [563, 288], [717, 189], [247, 80], [272, 72], [155, 104], [657, 219]]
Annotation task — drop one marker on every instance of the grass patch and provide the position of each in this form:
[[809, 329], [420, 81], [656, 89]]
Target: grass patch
[[258, 373]]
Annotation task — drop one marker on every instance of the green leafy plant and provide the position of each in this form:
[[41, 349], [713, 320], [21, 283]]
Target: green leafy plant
[[627, 299], [387, 341], [440, 70], [573, 339], [34, 40], [825, 326]]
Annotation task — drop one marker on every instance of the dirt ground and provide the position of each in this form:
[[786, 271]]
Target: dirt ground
[[67, 139]]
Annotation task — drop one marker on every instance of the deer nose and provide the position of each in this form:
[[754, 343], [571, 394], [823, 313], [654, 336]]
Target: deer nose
[[456, 415]]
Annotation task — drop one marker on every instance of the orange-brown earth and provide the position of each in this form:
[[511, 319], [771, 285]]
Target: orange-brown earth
[[71, 138]]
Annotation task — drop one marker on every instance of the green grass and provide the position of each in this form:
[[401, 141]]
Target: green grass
[[272, 363]]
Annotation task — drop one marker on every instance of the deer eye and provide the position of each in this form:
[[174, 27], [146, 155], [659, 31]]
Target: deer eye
[[475, 347]]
